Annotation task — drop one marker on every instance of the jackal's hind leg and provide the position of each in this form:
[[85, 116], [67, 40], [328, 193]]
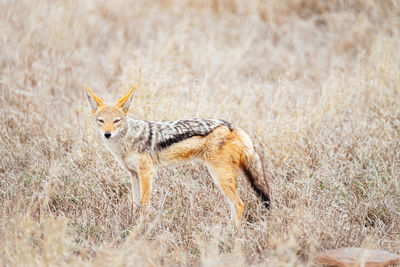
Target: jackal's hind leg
[[225, 178]]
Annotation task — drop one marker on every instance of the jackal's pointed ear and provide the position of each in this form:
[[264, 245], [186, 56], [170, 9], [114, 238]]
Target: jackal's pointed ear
[[94, 101], [125, 101]]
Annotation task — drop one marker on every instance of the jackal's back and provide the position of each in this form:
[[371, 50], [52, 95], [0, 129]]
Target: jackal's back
[[169, 133], [154, 136]]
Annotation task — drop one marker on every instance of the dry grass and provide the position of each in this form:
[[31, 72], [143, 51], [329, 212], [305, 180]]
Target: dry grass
[[315, 83]]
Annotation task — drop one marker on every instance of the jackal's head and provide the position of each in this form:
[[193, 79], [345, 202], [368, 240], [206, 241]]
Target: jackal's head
[[110, 118]]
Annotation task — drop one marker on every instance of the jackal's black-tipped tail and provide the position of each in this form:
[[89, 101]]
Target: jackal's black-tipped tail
[[254, 171], [263, 193]]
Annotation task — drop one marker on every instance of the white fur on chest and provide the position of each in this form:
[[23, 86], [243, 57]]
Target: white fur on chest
[[128, 160], [116, 151]]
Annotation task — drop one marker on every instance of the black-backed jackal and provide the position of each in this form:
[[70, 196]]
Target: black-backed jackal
[[140, 146]]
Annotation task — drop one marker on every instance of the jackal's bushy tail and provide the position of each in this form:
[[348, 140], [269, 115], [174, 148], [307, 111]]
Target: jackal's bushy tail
[[253, 169]]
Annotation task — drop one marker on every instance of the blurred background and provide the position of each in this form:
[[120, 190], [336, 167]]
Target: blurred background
[[314, 83]]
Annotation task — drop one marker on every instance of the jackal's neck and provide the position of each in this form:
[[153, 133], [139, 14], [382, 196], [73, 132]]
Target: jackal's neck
[[137, 136]]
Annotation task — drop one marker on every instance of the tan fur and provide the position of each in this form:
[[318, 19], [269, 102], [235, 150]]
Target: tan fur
[[108, 114]]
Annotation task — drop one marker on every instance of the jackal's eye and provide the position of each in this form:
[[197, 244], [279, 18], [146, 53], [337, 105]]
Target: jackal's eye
[[117, 120], [100, 121]]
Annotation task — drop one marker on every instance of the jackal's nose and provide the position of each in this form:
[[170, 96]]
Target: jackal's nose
[[107, 134]]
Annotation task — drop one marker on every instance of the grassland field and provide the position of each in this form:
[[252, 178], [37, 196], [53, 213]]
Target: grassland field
[[315, 83]]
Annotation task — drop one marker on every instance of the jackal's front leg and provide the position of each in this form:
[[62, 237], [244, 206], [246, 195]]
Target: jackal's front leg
[[135, 189], [141, 188], [145, 171], [141, 169]]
